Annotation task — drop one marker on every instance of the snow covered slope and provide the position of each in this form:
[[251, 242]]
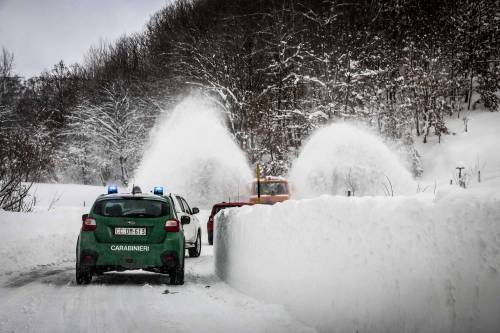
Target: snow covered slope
[[371, 264], [478, 149], [64, 196]]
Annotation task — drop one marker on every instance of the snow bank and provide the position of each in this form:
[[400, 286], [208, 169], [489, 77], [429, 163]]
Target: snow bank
[[192, 153], [40, 238], [342, 157], [371, 264], [55, 196], [47, 235]]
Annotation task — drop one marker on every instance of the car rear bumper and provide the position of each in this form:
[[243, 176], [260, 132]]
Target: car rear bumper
[[123, 256]]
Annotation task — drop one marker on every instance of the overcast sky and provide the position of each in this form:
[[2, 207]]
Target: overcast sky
[[42, 32]]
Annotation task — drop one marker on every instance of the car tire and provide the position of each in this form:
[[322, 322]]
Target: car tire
[[83, 275], [177, 275], [210, 238], [195, 251]]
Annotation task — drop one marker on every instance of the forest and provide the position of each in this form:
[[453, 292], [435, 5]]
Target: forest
[[277, 69]]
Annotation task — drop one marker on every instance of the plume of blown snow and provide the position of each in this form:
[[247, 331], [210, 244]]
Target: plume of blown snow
[[193, 154], [341, 157]]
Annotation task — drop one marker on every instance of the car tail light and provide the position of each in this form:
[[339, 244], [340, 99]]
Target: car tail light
[[172, 226], [89, 224]]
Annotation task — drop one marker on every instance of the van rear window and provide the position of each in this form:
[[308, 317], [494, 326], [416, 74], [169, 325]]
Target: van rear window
[[131, 208]]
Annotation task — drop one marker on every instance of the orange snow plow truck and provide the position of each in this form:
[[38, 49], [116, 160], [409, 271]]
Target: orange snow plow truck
[[269, 190]]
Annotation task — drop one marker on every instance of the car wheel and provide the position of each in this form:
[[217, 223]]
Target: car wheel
[[83, 275], [177, 275], [210, 238], [196, 250]]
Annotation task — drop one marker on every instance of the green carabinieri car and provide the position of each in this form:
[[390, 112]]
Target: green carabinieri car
[[131, 231]]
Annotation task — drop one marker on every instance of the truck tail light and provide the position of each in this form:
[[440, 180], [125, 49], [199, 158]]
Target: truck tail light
[[89, 224], [210, 224], [172, 226]]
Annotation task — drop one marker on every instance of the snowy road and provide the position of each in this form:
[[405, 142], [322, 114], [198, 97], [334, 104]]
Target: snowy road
[[47, 299]]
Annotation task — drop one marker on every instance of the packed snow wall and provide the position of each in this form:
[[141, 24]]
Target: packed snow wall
[[341, 157], [48, 234], [28, 240], [371, 264], [193, 154]]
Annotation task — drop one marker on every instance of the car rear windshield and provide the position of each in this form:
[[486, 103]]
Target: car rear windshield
[[270, 188], [135, 207]]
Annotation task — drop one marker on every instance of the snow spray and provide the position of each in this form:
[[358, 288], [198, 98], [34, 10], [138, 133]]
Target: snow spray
[[193, 154], [342, 158]]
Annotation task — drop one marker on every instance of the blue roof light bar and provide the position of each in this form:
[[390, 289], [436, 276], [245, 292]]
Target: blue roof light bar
[[158, 190], [112, 189]]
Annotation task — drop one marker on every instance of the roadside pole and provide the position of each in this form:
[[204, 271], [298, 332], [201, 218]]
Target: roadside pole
[[461, 181], [257, 174]]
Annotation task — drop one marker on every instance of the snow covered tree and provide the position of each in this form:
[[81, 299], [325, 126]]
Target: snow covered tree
[[24, 151], [278, 69], [109, 135]]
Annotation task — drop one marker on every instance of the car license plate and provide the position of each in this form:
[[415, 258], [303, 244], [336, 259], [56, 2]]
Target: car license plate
[[130, 231]]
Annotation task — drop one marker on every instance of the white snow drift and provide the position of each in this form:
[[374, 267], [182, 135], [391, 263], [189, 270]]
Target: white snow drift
[[371, 264], [48, 235], [193, 153], [28, 240], [341, 157]]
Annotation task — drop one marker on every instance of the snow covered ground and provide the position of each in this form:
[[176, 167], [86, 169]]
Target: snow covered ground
[[46, 299]]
